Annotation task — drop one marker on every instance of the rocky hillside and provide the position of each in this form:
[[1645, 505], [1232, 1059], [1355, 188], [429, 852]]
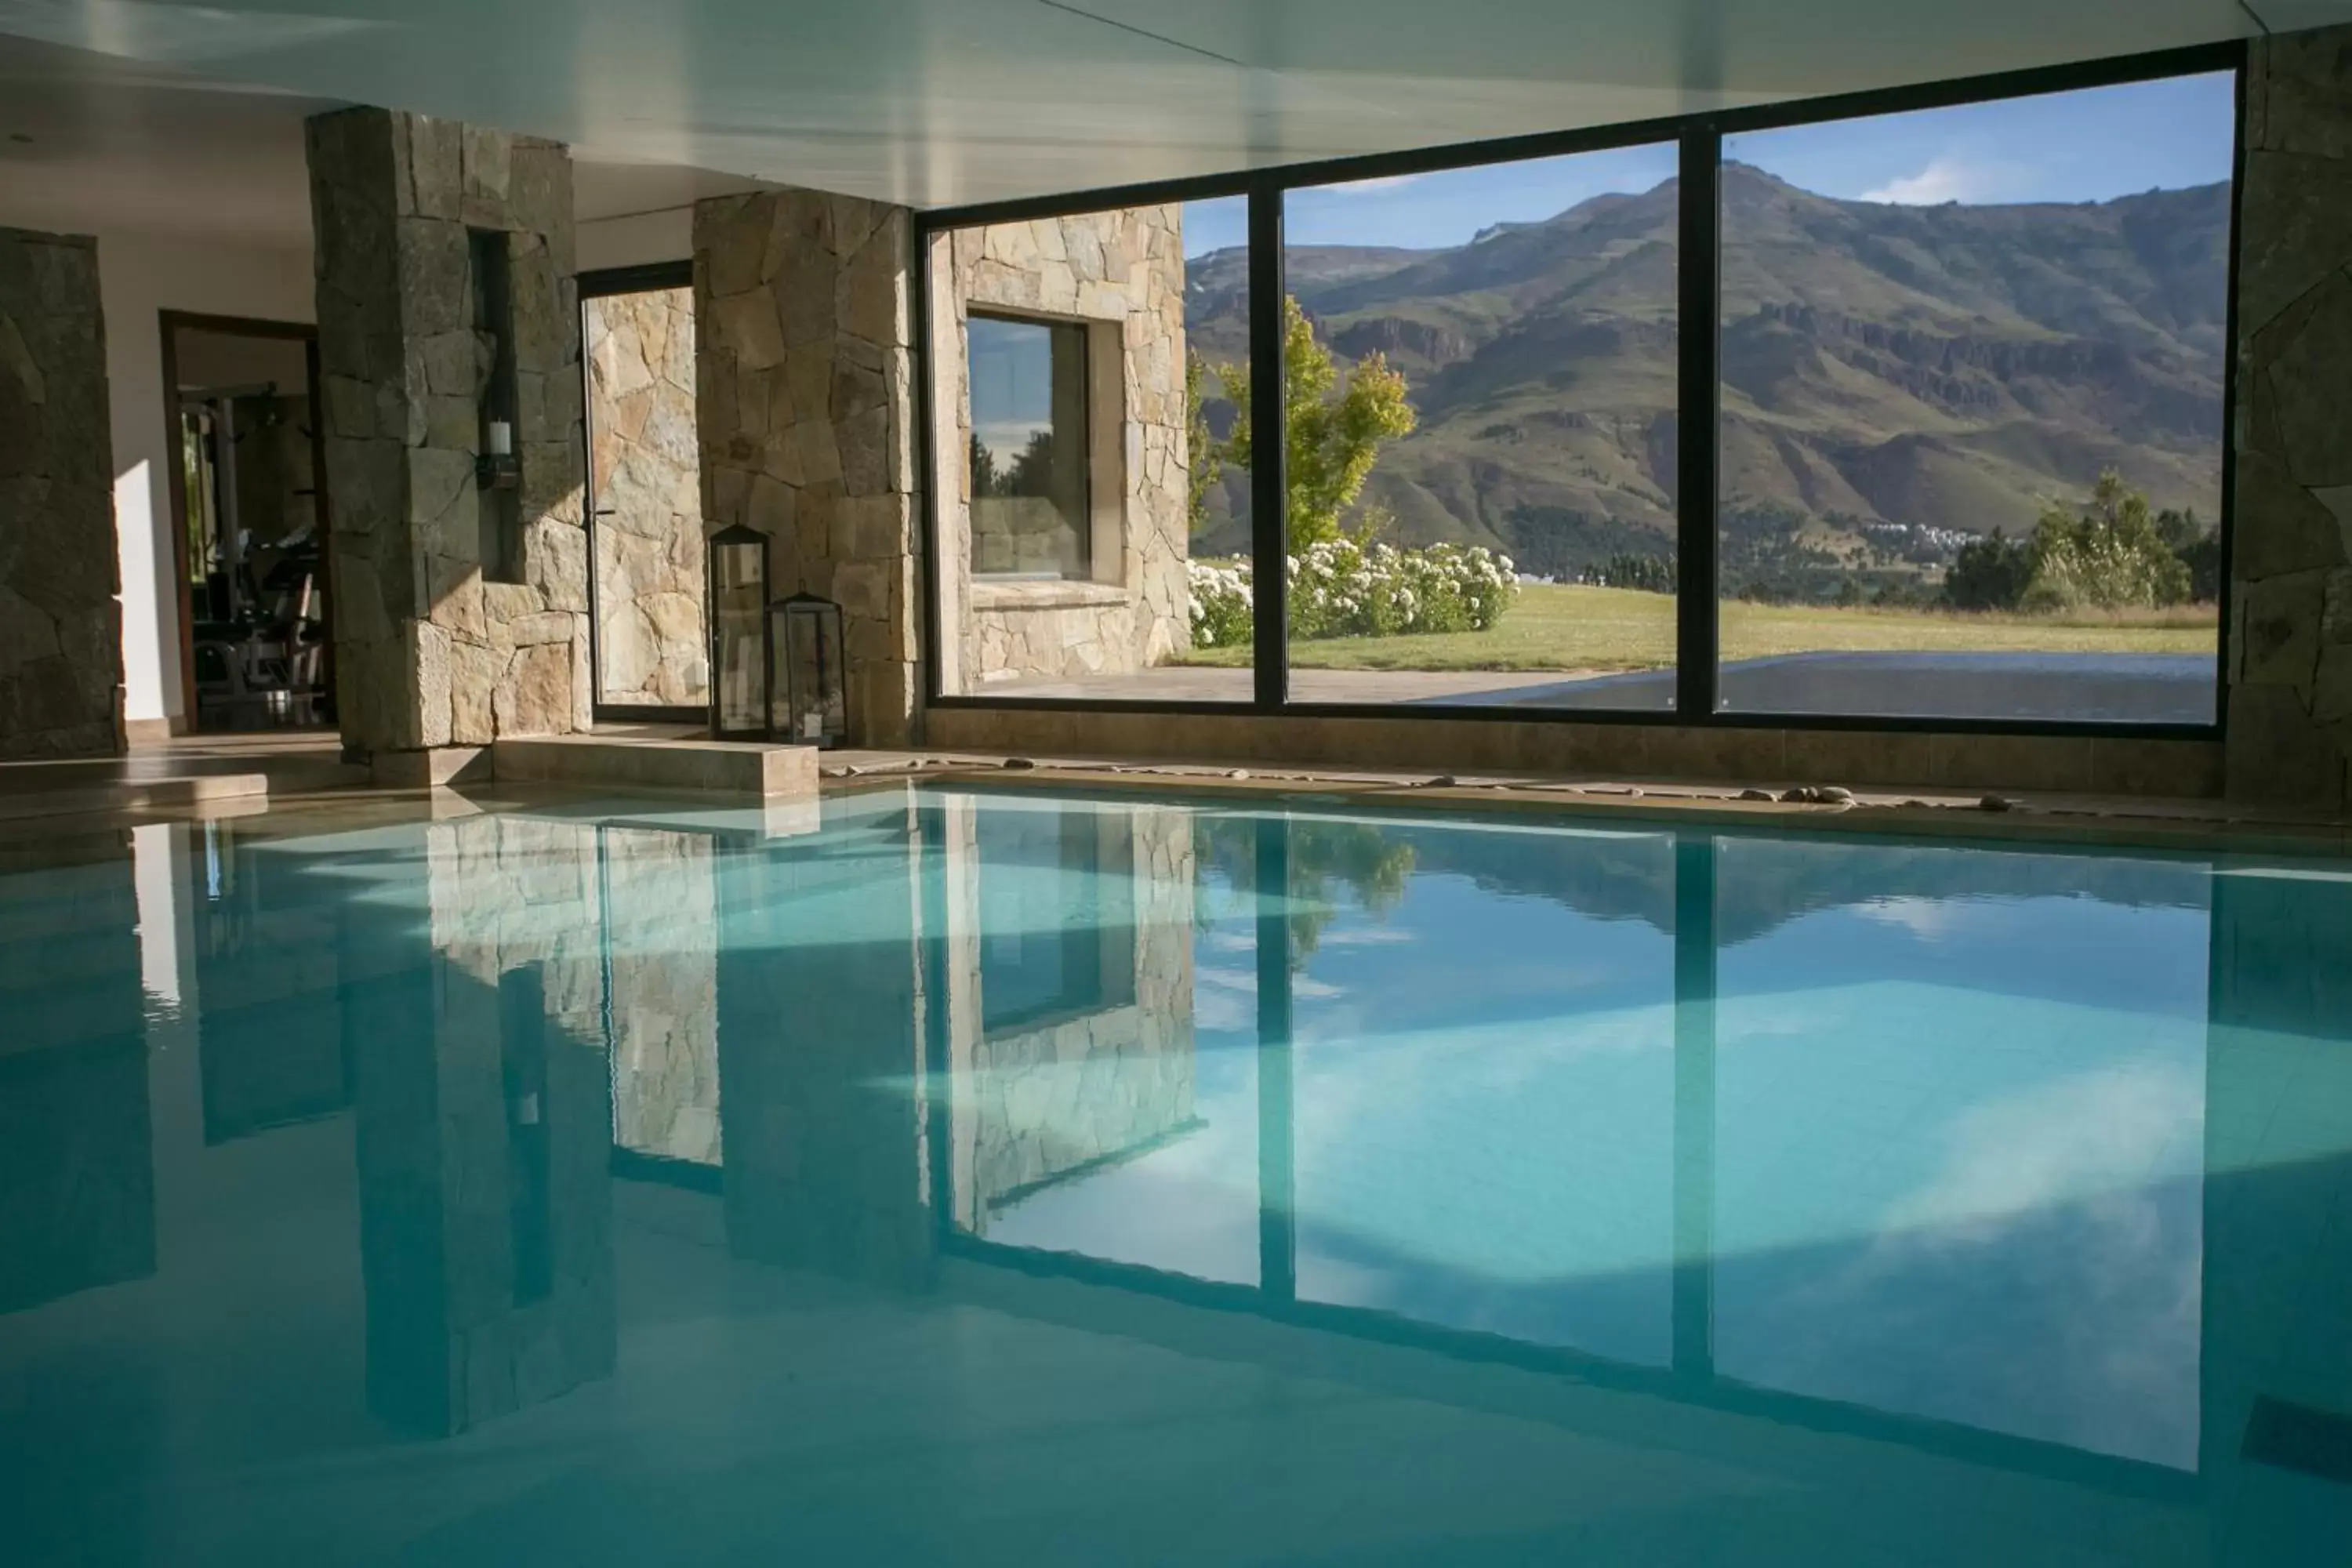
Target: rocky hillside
[[1951, 366]]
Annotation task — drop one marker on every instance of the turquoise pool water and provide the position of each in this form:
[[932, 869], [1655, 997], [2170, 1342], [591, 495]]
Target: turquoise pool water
[[977, 1177]]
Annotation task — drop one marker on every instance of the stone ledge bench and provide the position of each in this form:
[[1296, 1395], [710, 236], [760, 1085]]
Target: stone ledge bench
[[200, 795], [720, 767]]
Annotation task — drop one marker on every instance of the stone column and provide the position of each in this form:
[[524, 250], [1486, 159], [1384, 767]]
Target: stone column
[[805, 399], [429, 653], [61, 623], [2290, 658]]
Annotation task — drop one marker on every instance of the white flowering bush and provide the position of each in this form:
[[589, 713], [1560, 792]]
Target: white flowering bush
[[1220, 605], [1343, 589]]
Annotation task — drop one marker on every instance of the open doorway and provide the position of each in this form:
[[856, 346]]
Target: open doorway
[[249, 504], [651, 642]]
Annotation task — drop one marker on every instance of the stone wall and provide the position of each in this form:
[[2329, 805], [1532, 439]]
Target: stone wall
[[1123, 274], [651, 647], [803, 399], [428, 653], [61, 623], [2290, 660], [1034, 1105]]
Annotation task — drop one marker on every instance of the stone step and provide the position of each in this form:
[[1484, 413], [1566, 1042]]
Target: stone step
[[719, 767]]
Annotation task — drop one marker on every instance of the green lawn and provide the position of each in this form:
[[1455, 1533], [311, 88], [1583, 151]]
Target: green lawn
[[1565, 627]]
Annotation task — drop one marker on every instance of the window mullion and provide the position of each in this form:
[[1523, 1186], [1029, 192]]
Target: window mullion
[[1269, 501], [1697, 332]]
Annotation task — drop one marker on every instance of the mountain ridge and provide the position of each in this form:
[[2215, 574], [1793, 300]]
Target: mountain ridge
[[1951, 369]]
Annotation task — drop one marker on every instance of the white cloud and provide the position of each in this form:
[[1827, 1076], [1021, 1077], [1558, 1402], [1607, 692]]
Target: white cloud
[[1366, 936], [1945, 179], [2070, 1141], [1379, 183], [1931, 920]]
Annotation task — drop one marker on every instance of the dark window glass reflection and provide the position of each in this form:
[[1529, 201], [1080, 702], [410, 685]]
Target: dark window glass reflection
[[1057, 914], [1029, 449]]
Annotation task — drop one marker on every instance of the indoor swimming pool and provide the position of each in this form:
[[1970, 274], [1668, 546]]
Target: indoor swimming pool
[[976, 1176]]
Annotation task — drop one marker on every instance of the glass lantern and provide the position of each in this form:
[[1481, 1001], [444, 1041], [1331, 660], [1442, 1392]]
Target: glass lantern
[[805, 690], [739, 632]]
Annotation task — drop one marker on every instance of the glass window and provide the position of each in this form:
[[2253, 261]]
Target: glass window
[[1971, 434], [1092, 506], [1057, 915], [1483, 379], [1029, 501]]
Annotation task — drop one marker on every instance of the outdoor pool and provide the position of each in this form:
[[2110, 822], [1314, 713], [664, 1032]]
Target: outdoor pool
[[991, 1175]]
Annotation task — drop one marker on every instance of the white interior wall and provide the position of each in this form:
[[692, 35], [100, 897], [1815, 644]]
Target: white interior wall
[[139, 276], [142, 275], [637, 239]]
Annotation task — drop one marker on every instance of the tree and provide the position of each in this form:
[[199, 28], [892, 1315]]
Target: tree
[[1335, 426], [2199, 548], [2111, 557], [1332, 864], [1206, 458], [985, 479], [1990, 574], [2202, 556], [1033, 470]]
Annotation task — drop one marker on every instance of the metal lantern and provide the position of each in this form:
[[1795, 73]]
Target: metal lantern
[[805, 692], [738, 633]]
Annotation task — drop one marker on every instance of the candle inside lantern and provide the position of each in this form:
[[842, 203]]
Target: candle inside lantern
[[501, 439]]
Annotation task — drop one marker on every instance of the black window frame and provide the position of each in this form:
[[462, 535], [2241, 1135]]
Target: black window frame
[[1699, 324]]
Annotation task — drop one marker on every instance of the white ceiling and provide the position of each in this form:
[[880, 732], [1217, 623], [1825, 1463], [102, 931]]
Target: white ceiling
[[158, 114]]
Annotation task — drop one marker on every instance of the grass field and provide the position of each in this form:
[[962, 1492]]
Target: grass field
[[1567, 627]]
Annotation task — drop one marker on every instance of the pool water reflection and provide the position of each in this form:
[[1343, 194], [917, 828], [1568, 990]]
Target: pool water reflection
[[1004, 1175]]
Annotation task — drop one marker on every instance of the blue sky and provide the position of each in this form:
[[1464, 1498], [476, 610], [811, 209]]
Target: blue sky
[[2091, 145]]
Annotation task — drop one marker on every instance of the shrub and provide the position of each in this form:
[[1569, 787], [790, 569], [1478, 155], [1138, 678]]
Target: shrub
[[1219, 606], [1343, 589], [2111, 558], [1990, 574]]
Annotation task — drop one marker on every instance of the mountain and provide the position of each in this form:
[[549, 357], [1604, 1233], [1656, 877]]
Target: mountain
[[1952, 367]]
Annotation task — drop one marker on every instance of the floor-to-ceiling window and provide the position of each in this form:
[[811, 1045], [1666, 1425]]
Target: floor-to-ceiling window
[[1481, 376], [1907, 410], [1971, 429]]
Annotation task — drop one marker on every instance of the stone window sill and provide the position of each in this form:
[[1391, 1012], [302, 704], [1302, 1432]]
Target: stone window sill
[[1043, 595]]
